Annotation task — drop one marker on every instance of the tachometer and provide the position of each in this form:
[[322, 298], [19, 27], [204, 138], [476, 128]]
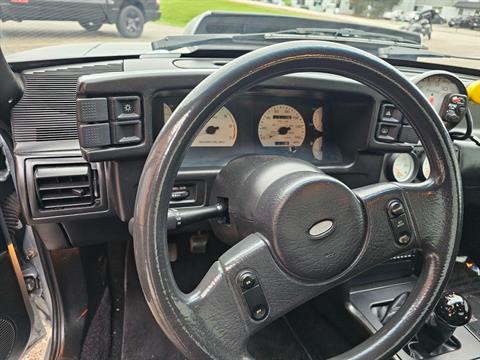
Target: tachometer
[[220, 130], [281, 125]]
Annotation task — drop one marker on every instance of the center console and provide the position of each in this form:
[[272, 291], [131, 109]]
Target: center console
[[445, 335]]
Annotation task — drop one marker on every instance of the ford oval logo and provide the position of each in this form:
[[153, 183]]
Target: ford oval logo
[[321, 229]]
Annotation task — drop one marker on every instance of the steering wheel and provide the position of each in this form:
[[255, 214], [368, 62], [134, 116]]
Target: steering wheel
[[304, 231]]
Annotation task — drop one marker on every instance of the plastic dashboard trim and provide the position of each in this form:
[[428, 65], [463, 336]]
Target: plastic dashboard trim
[[148, 84]]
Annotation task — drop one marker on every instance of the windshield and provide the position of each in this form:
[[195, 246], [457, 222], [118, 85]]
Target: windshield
[[445, 32]]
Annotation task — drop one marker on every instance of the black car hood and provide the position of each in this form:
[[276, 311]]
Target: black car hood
[[82, 50]]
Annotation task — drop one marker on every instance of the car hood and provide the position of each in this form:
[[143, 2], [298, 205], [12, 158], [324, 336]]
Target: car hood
[[84, 50]]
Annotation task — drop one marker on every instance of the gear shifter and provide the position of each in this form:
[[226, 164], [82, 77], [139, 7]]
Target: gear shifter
[[435, 337], [452, 311]]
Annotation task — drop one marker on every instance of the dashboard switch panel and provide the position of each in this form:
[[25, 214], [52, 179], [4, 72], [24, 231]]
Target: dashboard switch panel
[[390, 113], [94, 135], [126, 132], [125, 108], [387, 132], [92, 110]]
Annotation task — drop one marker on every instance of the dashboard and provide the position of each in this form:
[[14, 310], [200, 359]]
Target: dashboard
[[99, 120]]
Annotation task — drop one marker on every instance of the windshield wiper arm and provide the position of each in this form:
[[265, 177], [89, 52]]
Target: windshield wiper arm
[[347, 33], [329, 34], [180, 41]]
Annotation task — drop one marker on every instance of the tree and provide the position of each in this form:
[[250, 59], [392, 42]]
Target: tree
[[372, 8]]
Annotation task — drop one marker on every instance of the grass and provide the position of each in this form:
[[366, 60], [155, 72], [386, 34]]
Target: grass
[[180, 12]]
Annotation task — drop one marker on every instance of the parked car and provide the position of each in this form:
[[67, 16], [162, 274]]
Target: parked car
[[128, 15], [474, 22], [467, 22]]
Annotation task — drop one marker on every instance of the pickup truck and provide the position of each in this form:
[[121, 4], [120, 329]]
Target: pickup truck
[[129, 16]]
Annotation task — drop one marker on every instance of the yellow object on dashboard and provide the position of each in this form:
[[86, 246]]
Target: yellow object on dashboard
[[473, 91]]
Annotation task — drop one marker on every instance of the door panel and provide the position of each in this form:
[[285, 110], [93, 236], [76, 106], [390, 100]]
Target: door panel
[[15, 309]]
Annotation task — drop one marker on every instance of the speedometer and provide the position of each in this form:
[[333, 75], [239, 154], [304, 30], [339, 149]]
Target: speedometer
[[220, 130], [281, 125]]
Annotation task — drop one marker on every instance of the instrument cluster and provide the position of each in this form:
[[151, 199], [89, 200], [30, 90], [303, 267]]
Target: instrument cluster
[[264, 125]]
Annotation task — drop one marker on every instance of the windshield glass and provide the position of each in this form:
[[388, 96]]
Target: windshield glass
[[445, 32]]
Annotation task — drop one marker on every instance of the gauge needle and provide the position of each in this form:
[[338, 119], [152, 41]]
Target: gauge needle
[[212, 129], [284, 130]]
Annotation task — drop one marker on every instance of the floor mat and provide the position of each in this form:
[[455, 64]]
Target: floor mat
[[467, 283], [325, 327], [97, 342]]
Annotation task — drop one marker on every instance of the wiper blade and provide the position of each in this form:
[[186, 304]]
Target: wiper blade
[[347, 33], [329, 34]]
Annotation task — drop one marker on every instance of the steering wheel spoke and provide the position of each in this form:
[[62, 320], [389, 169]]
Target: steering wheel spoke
[[392, 225], [244, 291]]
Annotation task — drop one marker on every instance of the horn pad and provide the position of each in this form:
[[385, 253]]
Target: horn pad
[[284, 199]]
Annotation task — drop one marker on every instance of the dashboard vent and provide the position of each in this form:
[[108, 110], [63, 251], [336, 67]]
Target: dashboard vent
[[65, 186], [46, 111]]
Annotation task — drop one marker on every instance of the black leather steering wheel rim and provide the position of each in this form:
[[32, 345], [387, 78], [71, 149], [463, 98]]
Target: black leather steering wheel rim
[[209, 322]]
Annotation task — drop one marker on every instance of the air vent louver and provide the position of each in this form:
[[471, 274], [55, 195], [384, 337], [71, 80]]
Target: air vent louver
[[65, 186], [46, 111]]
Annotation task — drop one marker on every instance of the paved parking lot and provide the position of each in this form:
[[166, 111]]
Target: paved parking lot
[[19, 36]]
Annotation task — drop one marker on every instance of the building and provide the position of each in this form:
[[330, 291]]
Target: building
[[328, 6], [447, 8]]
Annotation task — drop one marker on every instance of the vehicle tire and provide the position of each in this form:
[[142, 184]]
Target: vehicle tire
[[130, 22], [90, 25]]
